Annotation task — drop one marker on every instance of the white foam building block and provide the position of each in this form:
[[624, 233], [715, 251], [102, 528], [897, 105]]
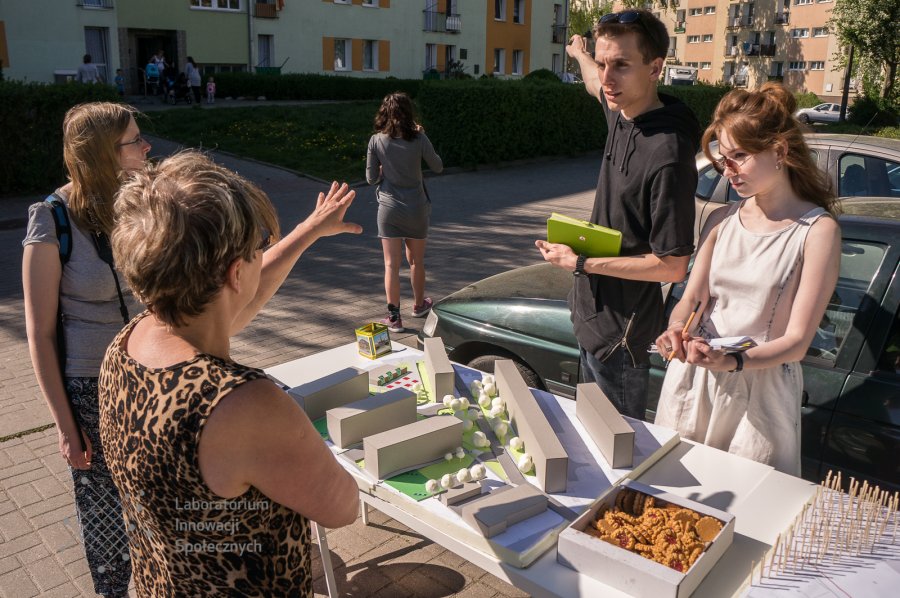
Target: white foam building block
[[411, 445], [351, 423], [440, 372], [334, 390], [551, 461], [606, 427], [492, 514]]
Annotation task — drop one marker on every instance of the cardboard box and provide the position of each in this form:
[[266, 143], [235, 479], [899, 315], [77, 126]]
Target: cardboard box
[[373, 340], [628, 571], [609, 430]]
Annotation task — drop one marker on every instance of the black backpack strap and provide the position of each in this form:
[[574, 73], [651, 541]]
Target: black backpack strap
[[63, 226]]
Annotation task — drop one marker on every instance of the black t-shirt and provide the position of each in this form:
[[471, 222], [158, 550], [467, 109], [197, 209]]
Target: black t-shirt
[[645, 190]]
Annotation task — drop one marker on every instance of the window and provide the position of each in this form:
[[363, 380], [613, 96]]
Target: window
[[706, 182], [777, 69], [797, 65], [517, 62], [696, 65], [706, 66], [430, 56], [342, 54], [868, 176], [817, 65], [695, 11], [797, 33], [463, 53], [890, 356], [820, 31], [216, 4], [693, 39], [499, 59], [265, 45], [518, 11], [96, 43], [709, 10], [860, 261], [370, 55], [342, 1], [373, 3], [707, 38], [556, 63], [799, 2], [500, 10]]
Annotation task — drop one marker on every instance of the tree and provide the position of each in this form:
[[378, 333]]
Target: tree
[[584, 15], [871, 27]]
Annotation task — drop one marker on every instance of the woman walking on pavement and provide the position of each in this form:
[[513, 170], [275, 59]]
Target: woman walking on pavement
[[394, 160], [192, 72], [70, 281]]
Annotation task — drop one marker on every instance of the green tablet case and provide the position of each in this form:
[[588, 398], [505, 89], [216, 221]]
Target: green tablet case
[[583, 237]]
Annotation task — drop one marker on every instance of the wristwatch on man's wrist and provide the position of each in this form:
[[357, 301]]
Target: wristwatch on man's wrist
[[579, 266]]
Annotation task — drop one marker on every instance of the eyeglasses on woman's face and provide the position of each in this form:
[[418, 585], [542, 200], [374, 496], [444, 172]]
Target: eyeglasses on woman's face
[[136, 141], [735, 164]]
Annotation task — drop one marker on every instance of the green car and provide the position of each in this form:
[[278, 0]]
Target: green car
[[851, 397]]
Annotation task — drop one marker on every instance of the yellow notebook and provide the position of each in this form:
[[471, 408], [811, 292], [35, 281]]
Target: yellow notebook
[[585, 238]]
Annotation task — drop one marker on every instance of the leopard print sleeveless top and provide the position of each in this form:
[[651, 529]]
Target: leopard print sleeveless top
[[184, 539]]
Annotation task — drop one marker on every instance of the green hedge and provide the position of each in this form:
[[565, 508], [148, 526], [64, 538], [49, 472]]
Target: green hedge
[[490, 121], [31, 116], [310, 87]]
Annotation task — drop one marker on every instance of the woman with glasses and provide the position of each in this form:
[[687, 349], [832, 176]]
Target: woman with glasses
[[219, 469], [75, 304], [765, 268]]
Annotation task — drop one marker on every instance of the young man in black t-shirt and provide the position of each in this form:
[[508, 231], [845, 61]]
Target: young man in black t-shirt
[[646, 191]]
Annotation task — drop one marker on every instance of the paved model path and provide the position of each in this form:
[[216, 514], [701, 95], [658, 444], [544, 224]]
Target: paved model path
[[483, 223]]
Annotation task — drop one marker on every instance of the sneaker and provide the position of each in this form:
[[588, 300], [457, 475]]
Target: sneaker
[[420, 311], [394, 324]]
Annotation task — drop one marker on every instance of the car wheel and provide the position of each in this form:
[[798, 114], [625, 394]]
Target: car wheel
[[485, 363], [804, 118]]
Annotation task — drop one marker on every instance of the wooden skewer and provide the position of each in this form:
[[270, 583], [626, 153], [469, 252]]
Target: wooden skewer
[[774, 550]]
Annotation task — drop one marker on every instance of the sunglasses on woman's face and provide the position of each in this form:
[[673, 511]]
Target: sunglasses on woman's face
[[723, 162], [265, 239]]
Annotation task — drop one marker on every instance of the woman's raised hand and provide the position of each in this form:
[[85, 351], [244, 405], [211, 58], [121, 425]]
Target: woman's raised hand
[[328, 217]]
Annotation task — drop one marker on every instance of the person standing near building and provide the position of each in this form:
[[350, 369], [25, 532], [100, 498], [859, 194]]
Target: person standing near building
[[394, 159], [87, 71], [210, 91], [646, 191], [193, 77]]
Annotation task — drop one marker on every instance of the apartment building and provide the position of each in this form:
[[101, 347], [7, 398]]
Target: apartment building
[[749, 42], [374, 38]]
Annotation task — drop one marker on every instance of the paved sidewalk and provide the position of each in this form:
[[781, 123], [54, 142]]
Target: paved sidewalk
[[483, 222]]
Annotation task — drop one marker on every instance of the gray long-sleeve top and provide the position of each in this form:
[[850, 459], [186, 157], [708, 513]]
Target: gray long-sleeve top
[[400, 163]]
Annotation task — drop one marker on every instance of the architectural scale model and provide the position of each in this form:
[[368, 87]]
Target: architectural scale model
[[334, 390], [406, 447], [833, 527], [440, 372], [494, 512], [351, 423], [551, 461], [606, 427]]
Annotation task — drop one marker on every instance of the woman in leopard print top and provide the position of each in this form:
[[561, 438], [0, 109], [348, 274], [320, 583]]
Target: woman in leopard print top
[[219, 470]]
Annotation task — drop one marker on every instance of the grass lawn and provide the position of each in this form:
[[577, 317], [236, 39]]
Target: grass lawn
[[326, 141]]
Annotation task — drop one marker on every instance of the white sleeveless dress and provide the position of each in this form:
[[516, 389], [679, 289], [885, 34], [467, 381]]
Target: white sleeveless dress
[[753, 280]]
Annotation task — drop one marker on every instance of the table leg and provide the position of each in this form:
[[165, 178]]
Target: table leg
[[330, 582]]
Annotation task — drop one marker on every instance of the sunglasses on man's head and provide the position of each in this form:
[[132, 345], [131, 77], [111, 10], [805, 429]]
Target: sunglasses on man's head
[[265, 239]]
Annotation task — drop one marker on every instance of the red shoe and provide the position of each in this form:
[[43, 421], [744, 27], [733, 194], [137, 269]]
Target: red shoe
[[394, 324], [420, 311]]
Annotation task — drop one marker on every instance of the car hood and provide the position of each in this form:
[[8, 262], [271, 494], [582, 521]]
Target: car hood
[[538, 282]]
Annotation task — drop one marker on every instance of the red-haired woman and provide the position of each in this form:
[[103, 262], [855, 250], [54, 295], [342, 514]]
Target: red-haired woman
[[766, 268]]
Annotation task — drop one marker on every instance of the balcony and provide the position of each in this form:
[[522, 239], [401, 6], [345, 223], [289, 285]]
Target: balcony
[[107, 4], [679, 27], [767, 50], [670, 52], [265, 11], [738, 22], [778, 78], [732, 51], [783, 18], [558, 32], [439, 22]]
